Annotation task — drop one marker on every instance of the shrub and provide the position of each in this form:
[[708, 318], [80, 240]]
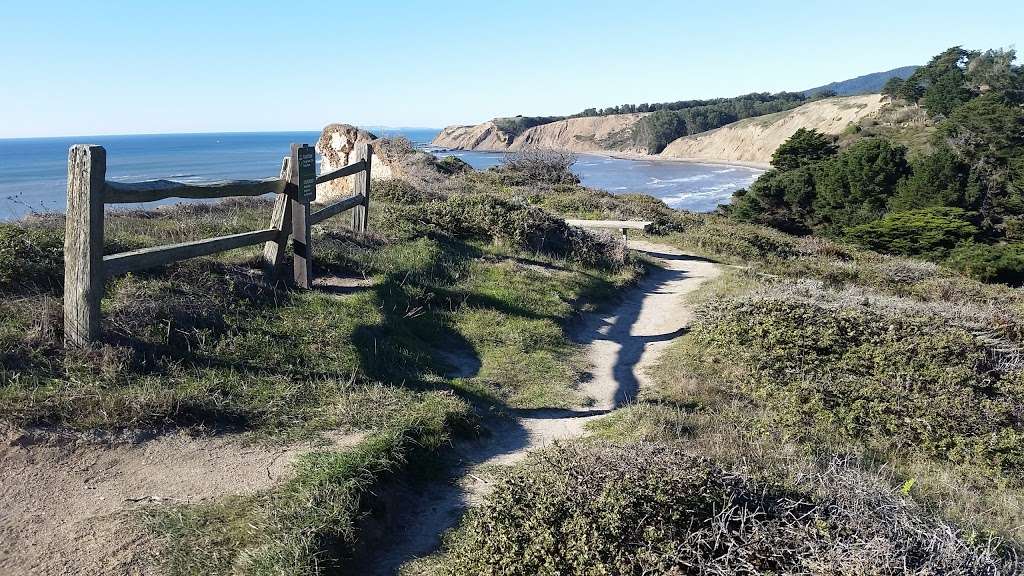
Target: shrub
[[536, 166], [897, 382], [650, 509], [931, 233], [990, 263], [31, 258], [522, 227]]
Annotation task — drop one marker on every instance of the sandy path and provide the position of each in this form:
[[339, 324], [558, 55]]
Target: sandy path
[[67, 501], [621, 345]]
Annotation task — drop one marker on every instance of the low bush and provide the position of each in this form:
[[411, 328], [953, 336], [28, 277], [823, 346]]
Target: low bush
[[650, 509], [900, 383], [522, 227], [929, 233], [31, 258], [990, 263], [537, 166]]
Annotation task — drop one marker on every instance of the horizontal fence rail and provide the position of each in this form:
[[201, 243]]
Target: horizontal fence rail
[[86, 268], [336, 208], [125, 262], [126, 193], [353, 168]]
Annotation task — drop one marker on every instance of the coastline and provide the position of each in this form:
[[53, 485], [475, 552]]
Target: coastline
[[763, 166], [620, 155]]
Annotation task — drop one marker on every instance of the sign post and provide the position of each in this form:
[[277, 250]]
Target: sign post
[[304, 177]]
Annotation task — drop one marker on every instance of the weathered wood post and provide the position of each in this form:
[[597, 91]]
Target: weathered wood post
[[361, 213], [304, 178], [280, 220], [83, 244]]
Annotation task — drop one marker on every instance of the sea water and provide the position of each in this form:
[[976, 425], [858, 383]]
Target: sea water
[[693, 186], [33, 171]]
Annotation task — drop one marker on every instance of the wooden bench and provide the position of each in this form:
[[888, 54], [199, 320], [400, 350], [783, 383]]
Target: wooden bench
[[624, 225]]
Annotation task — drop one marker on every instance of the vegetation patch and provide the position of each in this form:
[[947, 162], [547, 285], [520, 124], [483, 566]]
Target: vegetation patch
[[899, 384], [949, 145], [307, 525], [649, 508]]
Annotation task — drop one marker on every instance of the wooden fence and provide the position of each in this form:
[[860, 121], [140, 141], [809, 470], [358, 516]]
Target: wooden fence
[[86, 268]]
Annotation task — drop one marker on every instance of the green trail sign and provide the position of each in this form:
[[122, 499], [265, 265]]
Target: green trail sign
[[307, 173]]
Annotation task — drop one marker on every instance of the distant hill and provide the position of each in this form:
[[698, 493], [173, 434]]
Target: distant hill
[[866, 84]]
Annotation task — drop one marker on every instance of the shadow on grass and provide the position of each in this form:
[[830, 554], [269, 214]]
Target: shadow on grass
[[412, 516]]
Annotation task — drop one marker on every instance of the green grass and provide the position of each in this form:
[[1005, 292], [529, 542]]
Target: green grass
[[470, 273], [204, 342], [814, 348]]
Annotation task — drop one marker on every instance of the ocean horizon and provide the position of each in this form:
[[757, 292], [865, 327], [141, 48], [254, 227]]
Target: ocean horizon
[[33, 171]]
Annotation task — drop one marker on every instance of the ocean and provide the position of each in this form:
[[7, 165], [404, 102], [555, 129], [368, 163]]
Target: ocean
[[33, 171]]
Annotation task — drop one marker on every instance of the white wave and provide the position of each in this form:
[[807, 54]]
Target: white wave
[[669, 181], [710, 193]]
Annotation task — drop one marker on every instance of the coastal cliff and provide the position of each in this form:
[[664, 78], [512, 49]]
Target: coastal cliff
[[486, 136], [748, 141], [585, 134], [753, 140]]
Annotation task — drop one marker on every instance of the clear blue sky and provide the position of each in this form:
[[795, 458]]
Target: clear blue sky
[[82, 68]]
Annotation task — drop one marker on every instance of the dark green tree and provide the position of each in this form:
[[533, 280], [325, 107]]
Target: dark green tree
[[944, 80], [937, 179], [855, 186], [893, 86], [781, 200], [802, 148]]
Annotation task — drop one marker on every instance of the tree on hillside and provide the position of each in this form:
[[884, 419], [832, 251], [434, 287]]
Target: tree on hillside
[[993, 71], [937, 179], [855, 186], [802, 148], [987, 134], [942, 82], [893, 86], [782, 200]]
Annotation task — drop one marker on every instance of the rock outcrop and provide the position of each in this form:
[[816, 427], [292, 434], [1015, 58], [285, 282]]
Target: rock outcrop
[[753, 140], [392, 158], [588, 134], [336, 147]]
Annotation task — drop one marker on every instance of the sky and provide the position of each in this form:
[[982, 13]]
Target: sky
[[90, 68]]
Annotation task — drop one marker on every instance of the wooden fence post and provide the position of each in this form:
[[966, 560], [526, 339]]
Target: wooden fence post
[[280, 220], [303, 160], [83, 244], [361, 213]]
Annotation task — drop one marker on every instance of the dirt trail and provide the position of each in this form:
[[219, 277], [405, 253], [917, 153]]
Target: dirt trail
[[67, 501], [622, 344]]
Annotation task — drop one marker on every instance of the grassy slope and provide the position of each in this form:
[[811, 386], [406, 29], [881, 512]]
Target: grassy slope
[[882, 393], [205, 344], [450, 263], [826, 350]]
